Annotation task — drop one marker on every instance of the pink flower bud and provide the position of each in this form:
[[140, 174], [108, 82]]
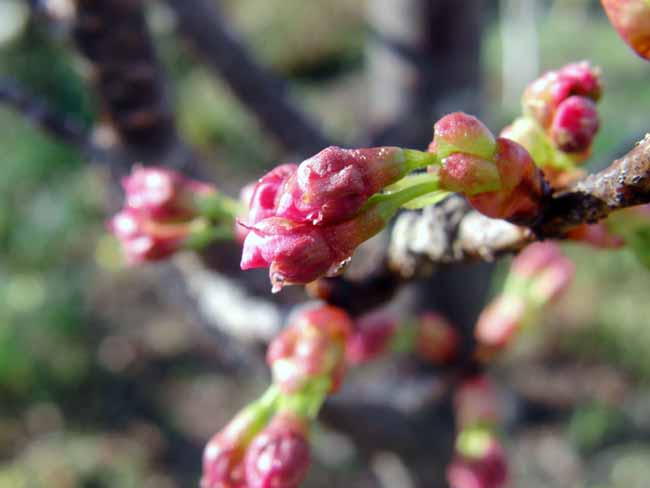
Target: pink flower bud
[[542, 97], [469, 174], [223, 456], [522, 186], [264, 199], [437, 340], [631, 18], [489, 470], [575, 124], [371, 338], [500, 321], [535, 258], [162, 194], [476, 403], [597, 235], [462, 133], [312, 346], [146, 240], [335, 183], [279, 457], [298, 253], [553, 281]]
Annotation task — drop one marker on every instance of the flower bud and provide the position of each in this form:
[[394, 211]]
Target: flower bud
[[333, 185], [297, 253], [223, 457], [535, 258], [522, 186], [146, 240], [554, 280], [162, 194], [575, 124], [487, 470], [437, 340], [279, 456], [469, 174], [631, 18], [312, 347], [542, 97], [462, 133], [264, 199], [371, 337], [500, 321]]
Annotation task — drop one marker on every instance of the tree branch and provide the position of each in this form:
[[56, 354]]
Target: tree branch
[[201, 23], [58, 126]]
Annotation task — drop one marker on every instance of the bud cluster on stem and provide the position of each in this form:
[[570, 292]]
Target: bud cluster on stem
[[165, 212], [266, 445], [537, 276], [479, 460], [305, 221], [498, 176], [560, 120]]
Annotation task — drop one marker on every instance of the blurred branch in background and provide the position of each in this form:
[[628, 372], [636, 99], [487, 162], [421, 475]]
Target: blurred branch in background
[[202, 24]]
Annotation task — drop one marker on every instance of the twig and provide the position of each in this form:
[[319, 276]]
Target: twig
[[56, 125], [114, 37], [202, 25]]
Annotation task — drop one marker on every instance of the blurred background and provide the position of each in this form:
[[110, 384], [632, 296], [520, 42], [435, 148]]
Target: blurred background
[[105, 382]]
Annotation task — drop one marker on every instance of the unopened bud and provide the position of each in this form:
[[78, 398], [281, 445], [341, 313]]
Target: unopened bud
[[462, 133], [575, 124], [631, 18], [279, 456]]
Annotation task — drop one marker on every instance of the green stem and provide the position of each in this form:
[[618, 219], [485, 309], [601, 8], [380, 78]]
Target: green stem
[[408, 189], [205, 233], [419, 159], [219, 207]]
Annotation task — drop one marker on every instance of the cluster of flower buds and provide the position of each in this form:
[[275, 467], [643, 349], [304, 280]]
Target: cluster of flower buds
[[429, 336], [255, 452], [266, 445], [560, 120], [498, 176], [310, 353], [631, 18], [479, 460], [165, 212], [538, 275], [305, 221]]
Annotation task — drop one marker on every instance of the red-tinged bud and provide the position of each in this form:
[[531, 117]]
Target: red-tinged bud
[[223, 456], [162, 194], [333, 185], [500, 321], [469, 174], [371, 337], [264, 199], [298, 253], [462, 133], [437, 339], [520, 197], [146, 240], [575, 124], [553, 281], [542, 97], [631, 18], [535, 258], [279, 457], [476, 403], [313, 346], [489, 470], [597, 235]]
